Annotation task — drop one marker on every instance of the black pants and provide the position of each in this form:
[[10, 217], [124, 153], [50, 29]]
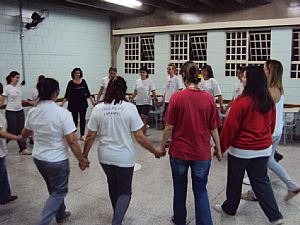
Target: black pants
[[15, 124], [119, 181], [257, 171], [82, 114]]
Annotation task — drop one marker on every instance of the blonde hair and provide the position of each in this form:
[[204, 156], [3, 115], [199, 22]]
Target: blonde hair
[[275, 74]]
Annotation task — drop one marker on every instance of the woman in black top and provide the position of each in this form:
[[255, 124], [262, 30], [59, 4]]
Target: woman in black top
[[77, 92]]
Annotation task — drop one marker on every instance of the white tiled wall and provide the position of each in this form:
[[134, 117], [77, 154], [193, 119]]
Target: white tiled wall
[[68, 38]]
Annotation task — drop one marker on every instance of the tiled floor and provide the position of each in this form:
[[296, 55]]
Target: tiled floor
[[151, 203]]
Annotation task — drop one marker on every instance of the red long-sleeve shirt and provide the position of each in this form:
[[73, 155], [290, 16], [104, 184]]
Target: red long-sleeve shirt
[[247, 128]]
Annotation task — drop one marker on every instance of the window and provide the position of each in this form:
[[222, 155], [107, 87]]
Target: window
[[246, 48], [139, 51], [188, 46], [295, 67]]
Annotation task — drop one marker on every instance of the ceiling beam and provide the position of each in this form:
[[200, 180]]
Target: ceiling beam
[[186, 4], [161, 4], [113, 8], [210, 2]]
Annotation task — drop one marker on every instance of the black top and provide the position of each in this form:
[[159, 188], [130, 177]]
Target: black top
[[76, 94]]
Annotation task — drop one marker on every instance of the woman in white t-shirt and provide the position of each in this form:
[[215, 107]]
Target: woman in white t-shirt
[[53, 132], [210, 85], [14, 112], [239, 87], [115, 120], [5, 192], [112, 73], [143, 89]]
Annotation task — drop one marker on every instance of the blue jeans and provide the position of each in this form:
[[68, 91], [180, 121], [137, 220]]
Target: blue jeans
[[278, 169], [200, 171], [4, 183], [56, 175]]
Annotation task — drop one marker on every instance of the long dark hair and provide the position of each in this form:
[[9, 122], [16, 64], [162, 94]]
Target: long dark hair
[[11, 75], [116, 91], [189, 71], [257, 89], [209, 71], [47, 87]]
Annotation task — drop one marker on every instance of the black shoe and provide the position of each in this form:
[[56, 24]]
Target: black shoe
[[62, 220], [278, 156], [11, 198]]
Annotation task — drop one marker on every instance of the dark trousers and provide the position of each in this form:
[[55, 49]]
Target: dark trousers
[[257, 172], [15, 124], [119, 181], [4, 183], [82, 114], [56, 176]]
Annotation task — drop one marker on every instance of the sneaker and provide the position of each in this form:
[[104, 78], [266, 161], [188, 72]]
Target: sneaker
[[62, 220], [82, 138], [11, 198], [172, 221], [291, 194], [26, 152], [277, 222], [246, 181], [248, 196], [278, 156], [218, 208]]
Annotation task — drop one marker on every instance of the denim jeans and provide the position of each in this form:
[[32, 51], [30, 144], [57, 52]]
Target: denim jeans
[[279, 169], [56, 176], [257, 172], [4, 183], [199, 172], [119, 181]]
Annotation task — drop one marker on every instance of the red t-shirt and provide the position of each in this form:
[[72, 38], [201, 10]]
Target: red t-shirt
[[193, 113]]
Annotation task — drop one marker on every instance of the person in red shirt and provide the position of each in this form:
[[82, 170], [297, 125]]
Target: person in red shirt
[[192, 118], [247, 135]]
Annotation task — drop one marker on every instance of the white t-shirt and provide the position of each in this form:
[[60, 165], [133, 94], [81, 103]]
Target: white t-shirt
[[279, 117], [114, 124], [34, 96], [13, 97], [104, 83], [3, 147], [144, 88], [173, 85], [238, 90], [211, 86], [49, 123]]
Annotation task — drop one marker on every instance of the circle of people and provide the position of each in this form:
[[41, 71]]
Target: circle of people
[[250, 134]]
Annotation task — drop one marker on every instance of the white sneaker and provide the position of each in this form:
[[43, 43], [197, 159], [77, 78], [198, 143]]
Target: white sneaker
[[26, 152], [218, 208], [277, 222], [246, 181]]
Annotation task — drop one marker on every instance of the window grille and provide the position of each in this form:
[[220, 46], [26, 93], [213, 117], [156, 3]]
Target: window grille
[[188, 46], [295, 67], [139, 51], [246, 48]]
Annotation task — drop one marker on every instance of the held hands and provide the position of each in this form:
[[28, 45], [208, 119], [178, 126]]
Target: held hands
[[160, 152], [223, 110], [84, 163], [218, 154]]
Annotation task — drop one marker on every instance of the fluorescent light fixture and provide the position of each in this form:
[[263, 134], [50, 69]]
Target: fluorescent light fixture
[[127, 3]]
